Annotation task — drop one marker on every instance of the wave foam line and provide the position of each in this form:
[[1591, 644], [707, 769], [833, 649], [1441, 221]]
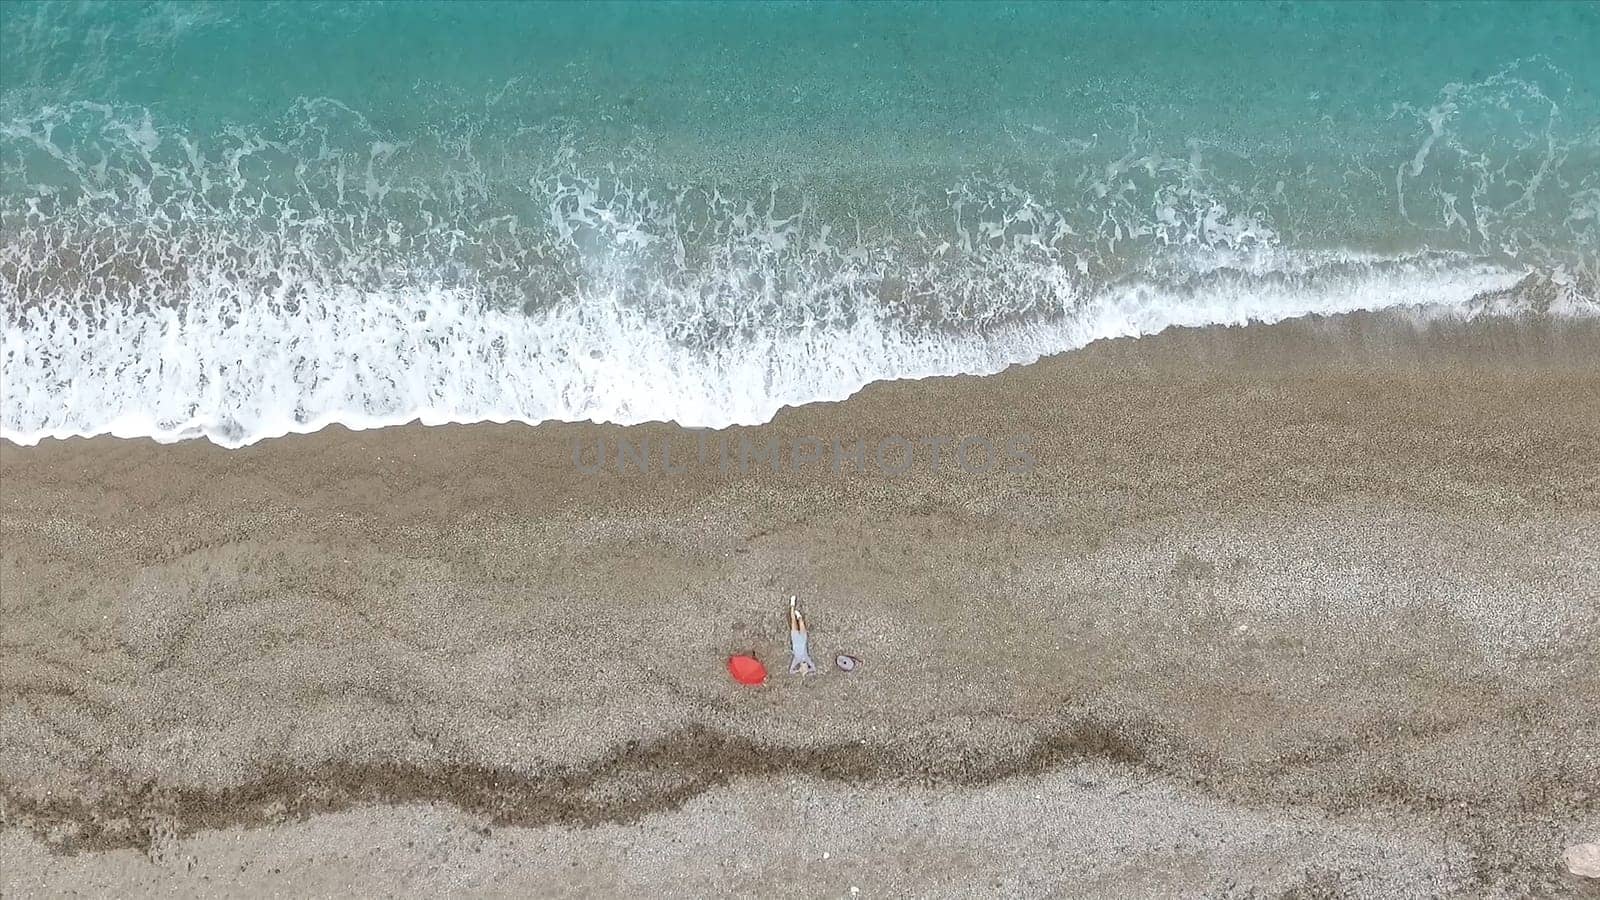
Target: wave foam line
[[240, 369]]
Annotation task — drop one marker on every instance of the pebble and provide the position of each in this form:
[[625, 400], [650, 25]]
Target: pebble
[[1583, 860]]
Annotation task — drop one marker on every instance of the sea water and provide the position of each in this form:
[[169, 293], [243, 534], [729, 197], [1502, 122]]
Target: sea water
[[237, 221]]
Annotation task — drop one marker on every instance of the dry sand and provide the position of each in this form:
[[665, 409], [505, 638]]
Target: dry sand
[[1306, 610]]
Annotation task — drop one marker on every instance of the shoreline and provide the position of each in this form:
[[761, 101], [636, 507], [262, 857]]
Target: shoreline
[[1332, 571], [460, 364]]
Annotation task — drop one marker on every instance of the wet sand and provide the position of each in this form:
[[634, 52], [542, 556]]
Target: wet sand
[[1309, 609]]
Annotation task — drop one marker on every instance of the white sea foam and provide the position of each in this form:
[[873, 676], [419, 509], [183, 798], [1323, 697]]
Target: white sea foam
[[237, 367]]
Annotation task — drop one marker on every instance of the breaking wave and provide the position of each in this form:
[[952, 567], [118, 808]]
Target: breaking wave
[[249, 284]]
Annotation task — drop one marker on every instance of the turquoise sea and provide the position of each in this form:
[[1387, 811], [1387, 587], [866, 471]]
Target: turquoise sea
[[239, 220]]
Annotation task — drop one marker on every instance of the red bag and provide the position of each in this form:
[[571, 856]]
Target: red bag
[[747, 670]]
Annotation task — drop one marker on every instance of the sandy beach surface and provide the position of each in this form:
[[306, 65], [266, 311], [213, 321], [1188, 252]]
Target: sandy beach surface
[[1302, 610]]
